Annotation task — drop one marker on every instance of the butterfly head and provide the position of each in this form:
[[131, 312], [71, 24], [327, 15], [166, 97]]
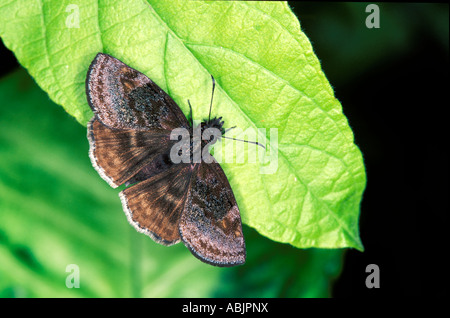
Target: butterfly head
[[215, 127], [214, 123]]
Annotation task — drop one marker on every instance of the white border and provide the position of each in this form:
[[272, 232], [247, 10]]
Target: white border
[[101, 172], [138, 228]]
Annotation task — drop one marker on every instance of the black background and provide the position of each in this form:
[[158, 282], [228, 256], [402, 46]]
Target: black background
[[395, 97], [394, 92]]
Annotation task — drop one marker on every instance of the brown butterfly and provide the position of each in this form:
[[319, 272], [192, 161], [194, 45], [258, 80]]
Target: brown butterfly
[[130, 143]]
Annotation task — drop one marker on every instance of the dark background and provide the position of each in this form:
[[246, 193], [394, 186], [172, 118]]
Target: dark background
[[393, 86]]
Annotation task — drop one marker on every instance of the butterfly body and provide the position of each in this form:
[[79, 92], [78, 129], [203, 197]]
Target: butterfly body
[[130, 144]]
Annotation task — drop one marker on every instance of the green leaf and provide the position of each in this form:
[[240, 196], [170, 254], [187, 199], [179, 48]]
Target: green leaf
[[267, 76], [56, 211]]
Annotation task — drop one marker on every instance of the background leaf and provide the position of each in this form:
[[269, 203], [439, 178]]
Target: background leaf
[[268, 77]]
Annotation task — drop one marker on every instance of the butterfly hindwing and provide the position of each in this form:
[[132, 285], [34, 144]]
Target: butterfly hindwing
[[210, 224], [154, 206], [124, 98]]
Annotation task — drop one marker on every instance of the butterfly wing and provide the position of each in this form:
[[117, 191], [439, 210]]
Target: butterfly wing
[[210, 225], [133, 119], [123, 98], [118, 155], [154, 206]]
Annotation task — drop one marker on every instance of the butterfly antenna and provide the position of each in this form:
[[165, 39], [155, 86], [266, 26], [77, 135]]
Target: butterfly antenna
[[190, 113], [250, 142], [228, 129], [212, 95]]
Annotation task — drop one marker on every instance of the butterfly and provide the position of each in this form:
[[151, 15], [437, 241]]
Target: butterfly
[[130, 144]]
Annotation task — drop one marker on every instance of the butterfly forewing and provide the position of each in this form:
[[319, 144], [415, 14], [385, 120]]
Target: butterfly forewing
[[124, 98], [210, 225]]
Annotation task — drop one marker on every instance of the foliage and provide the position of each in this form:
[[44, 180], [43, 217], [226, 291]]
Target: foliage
[[268, 77]]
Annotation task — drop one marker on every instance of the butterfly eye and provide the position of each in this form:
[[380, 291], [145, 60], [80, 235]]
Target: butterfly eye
[[179, 152], [179, 137]]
